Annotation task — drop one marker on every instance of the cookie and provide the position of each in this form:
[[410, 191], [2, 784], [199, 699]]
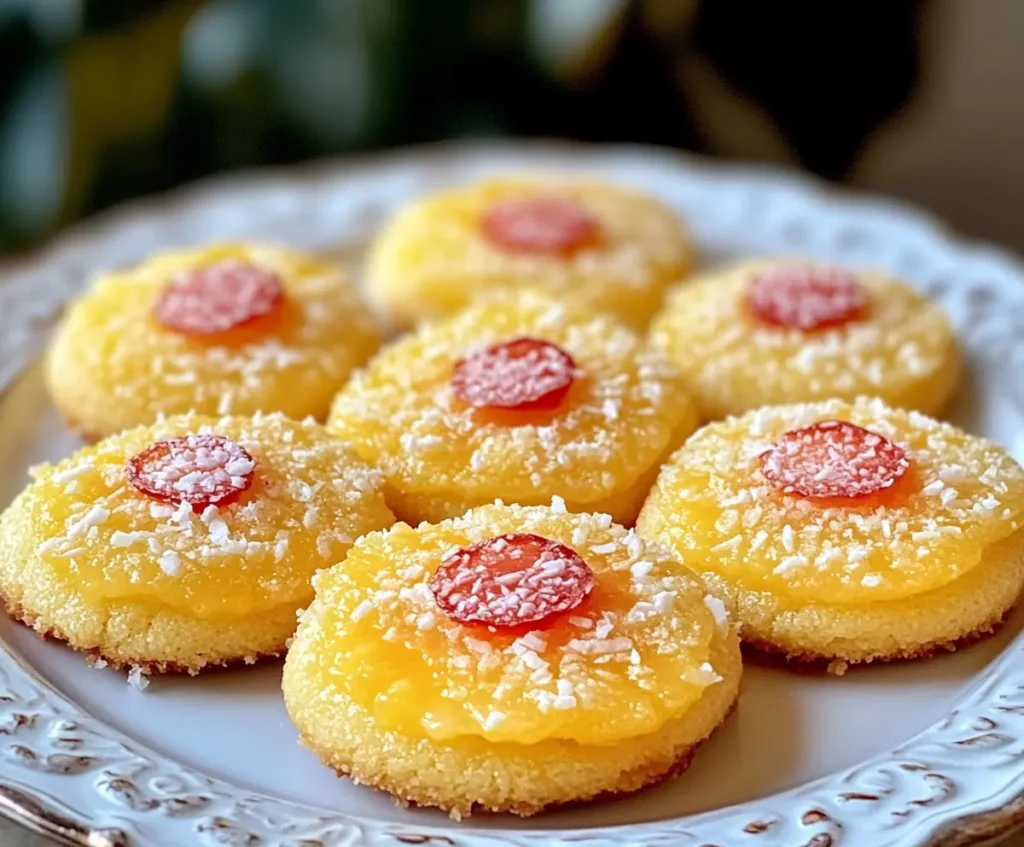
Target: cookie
[[187, 543], [783, 331], [232, 328], [848, 532], [584, 241], [510, 660], [517, 397]]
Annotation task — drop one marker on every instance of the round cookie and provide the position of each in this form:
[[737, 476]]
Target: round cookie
[[224, 329], [850, 532], [511, 659], [517, 397], [587, 242], [784, 331], [187, 543]]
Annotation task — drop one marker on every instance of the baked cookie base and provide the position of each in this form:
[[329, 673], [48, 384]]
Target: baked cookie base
[[808, 660], [963, 611], [207, 647], [633, 782], [467, 775], [623, 505]]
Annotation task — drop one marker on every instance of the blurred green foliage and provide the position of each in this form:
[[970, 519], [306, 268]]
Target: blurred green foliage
[[106, 99]]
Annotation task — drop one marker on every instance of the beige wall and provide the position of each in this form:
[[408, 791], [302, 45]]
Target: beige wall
[[959, 148]]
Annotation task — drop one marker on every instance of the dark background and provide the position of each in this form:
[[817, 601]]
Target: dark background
[[102, 100]]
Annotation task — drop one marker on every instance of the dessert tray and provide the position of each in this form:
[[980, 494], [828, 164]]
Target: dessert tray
[[919, 753]]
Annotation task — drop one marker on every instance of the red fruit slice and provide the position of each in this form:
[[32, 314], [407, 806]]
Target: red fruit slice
[[195, 469], [806, 298], [524, 373], [833, 459], [547, 225], [217, 297], [511, 580]]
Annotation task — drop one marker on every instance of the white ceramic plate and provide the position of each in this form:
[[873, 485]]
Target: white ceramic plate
[[925, 753]]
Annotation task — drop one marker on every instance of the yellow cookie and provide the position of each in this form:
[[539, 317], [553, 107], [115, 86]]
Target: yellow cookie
[[780, 331], [846, 531], [586, 242], [187, 543], [233, 328], [509, 660], [517, 397]]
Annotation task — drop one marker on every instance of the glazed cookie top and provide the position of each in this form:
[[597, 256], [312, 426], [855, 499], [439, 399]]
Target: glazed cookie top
[[834, 501], [512, 394], [223, 328], [512, 624], [559, 233], [210, 516], [806, 330]]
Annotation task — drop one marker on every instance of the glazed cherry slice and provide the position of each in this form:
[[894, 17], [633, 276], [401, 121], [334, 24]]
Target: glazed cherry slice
[[217, 297], [805, 298], [510, 581], [200, 470], [545, 225], [833, 459], [526, 374]]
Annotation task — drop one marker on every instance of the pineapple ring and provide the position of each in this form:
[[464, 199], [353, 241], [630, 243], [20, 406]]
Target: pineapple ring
[[901, 347], [640, 672], [114, 364], [600, 449], [871, 573], [127, 575], [436, 256]]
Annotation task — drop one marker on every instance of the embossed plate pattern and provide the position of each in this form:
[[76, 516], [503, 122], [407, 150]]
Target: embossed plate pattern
[[923, 754]]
